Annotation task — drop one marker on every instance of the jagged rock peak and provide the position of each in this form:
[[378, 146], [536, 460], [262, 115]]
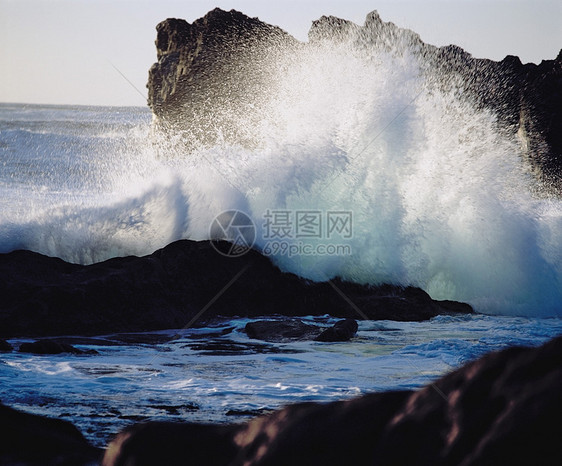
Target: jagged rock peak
[[211, 47], [171, 35], [374, 30], [331, 28], [512, 60], [229, 22], [389, 33], [373, 18], [178, 32]]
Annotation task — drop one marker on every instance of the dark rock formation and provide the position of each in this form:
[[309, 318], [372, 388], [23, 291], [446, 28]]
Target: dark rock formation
[[51, 347], [28, 439], [297, 330], [212, 76], [526, 98], [281, 330], [500, 409], [343, 330], [454, 307], [204, 69], [184, 282], [5, 347], [178, 444]]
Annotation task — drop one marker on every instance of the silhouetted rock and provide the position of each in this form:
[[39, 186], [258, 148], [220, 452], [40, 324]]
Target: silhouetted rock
[[454, 307], [51, 347], [343, 330], [5, 347], [44, 296], [500, 409], [203, 70], [28, 439], [172, 444]]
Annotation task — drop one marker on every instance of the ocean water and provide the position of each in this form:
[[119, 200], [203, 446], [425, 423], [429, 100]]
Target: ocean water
[[427, 191], [216, 373]]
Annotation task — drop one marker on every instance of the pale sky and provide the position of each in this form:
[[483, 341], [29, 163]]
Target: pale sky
[[64, 52]]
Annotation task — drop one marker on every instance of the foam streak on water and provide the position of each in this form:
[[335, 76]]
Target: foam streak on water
[[440, 197]]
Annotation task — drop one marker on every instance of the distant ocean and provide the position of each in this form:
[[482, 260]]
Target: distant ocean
[[438, 203]]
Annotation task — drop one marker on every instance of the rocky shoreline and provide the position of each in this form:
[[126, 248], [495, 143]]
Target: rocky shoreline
[[496, 409], [183, 284], [499, 409]]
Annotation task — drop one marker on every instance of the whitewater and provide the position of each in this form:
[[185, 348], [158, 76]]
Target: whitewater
[[441, 197]]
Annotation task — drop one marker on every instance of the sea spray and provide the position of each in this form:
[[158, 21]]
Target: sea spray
[[440, 195]]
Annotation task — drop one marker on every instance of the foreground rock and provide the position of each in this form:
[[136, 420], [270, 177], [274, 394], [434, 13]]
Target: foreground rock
[[28, 439], [168, 289], [217, 75], [500, 409]]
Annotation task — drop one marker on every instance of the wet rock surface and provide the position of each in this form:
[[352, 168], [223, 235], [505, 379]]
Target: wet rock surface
[[212, 60], [343, 330]]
